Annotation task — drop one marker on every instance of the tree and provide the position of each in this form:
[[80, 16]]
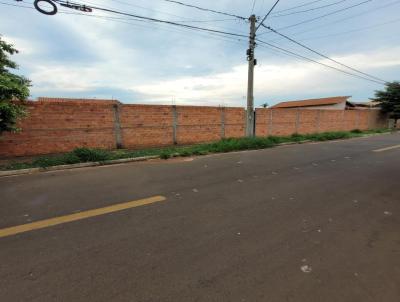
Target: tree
[[14, 90], [389, 100], [265, 105]]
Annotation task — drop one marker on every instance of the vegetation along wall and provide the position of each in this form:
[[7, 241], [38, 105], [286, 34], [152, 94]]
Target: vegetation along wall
[[60, 125]]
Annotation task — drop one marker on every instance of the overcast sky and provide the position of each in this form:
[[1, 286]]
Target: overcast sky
[[69, 55]]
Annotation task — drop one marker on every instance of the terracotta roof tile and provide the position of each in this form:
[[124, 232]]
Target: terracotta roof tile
[[312, 102], [75, 100]]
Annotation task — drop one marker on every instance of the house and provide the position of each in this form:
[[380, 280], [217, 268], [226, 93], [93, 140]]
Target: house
[[331, 103], [368, 105]]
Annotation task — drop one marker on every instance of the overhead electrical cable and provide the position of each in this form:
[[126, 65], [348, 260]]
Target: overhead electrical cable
[[326, 15], [220, 34], [124, 21], [187, 20], [317, 62], [298, 6], [322, 16], [266, 16], [254, 4], [351, 31], [206, 9], [308, 10], [323, 55], [93, 7], [341, 20], [148, 9]]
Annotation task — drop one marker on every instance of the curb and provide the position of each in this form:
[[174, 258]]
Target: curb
[[295, 143], [143, 158], [75, 166]]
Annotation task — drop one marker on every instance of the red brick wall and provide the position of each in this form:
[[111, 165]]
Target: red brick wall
[[198, 124], [60, 125], [234, 122], [289, 121], [146, 126]]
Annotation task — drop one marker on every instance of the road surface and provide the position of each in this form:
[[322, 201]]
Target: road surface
[[312, 222]]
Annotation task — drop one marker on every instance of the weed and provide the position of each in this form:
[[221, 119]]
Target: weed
[[225, 145], [89, 155]]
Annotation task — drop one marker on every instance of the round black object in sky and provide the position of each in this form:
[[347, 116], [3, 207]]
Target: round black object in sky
[[53, 10]]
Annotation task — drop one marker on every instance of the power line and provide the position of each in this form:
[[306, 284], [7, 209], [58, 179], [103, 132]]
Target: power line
[[229, 35], [298, 6], [206, 9], [308, 10], [323, 16], [351, 31], [254, 4], [121, 20], [342, 19], [148, 9], [169, 14], [291, 53], [266, 16], [189, 20], [158, 20], [322, 55], [326, 15]]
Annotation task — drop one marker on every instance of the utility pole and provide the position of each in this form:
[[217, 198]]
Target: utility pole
[[250, 84]]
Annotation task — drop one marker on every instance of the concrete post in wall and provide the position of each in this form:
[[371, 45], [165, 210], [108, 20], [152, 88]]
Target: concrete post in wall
[[297, 120], [222, 122], [343, 116], [358, 119], [318, 120], [369, 119], [117, 126], [174, 125], [270, 122]]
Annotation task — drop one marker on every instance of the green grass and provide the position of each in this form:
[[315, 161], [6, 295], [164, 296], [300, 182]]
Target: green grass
[[81, 155]]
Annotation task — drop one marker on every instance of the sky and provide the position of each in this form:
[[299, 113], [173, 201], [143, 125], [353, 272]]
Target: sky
[[107, 56]]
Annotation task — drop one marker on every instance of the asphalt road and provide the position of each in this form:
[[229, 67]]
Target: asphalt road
[[313, 222]]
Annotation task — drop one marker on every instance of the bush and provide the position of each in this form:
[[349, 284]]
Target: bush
[[225, 145], [88, 155], [297, 137], [16, 166], [165, 155], [185, 153], [48, 161]]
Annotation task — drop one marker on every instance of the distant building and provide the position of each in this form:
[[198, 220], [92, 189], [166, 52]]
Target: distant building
[[368, 105], [331, 103]]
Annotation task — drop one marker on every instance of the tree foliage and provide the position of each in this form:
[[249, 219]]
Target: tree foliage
[[14, 89], [389, 100]]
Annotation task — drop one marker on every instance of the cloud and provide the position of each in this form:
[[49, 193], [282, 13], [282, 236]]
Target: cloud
[[271, 79], [228, 88], [68, 55]]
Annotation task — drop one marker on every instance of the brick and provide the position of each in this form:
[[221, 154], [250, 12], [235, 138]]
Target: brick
[[57, 125]]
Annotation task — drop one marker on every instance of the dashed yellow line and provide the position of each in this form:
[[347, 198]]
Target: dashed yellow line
[[78, 216], [387, 149]]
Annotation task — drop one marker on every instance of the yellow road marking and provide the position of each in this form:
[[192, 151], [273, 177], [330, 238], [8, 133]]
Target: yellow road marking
[[387, 149], [78, 216]]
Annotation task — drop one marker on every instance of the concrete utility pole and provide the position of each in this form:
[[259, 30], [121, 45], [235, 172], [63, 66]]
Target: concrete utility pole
[[250, 85]]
